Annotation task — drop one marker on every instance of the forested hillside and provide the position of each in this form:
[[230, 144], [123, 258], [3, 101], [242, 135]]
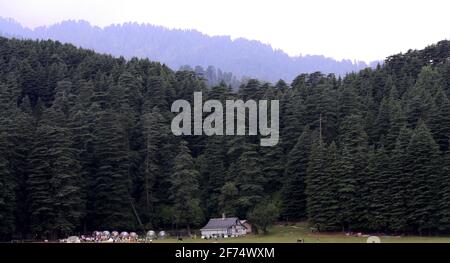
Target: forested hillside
[[177, 48], [86, 145]]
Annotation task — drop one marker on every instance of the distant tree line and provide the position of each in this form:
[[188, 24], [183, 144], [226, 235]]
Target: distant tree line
[[178, 47], [86, 145], [214, 77]]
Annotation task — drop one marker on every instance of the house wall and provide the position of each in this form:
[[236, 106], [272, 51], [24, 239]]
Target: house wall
[[240, 230], [237, 231], [216, 232]]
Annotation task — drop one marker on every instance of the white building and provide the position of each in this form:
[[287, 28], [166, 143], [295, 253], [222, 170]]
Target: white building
[[223, 227]]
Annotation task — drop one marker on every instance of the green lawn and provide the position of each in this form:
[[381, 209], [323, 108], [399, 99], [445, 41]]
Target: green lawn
[[290, 234]]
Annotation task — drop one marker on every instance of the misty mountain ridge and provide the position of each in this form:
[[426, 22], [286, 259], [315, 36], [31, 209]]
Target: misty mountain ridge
[[178, 48]]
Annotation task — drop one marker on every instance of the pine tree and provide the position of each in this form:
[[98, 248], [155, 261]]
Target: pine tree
[[439, 122], [444, 195], [55, 180], [273, 167], [291, 123], [330, 208], [397, 121], [419, 105], [22, 137], [376, 196], [251, 91], [158, 94], [112, 206], [383, 121], [184, 189], [293, 192], [398, 181], [154, 135], [423, 158], [81, 125], [7, 186], [228, 198], [250, 180], [315, 184], [65, 182], [352, 163], [38, 185], [319, 113], [213, 172], [348, 101], [8, 155], [429, 79]]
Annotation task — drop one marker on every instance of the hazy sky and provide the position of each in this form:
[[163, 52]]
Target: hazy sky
[[355, 29]]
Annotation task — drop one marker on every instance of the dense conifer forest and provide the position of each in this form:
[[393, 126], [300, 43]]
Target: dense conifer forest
[[86, 145]]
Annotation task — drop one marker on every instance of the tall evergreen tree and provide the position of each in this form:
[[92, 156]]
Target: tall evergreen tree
[[213, 171], [424, 168], [316, 184], [376, 196], [352, 163], [444, 195], [7, 186], [154, 134], [399, 179], [250, 180], [184, 189], [439, 122], [293, 191], [112, 207]]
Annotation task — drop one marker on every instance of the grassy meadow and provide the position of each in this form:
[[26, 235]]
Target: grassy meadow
[[292, 233]]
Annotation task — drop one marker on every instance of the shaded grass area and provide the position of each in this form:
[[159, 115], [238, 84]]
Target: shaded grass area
[[292, 233]]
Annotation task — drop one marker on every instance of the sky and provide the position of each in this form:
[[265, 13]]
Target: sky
[[352, 29]]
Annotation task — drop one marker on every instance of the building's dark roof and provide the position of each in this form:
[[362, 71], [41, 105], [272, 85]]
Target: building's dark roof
[[218, 223]]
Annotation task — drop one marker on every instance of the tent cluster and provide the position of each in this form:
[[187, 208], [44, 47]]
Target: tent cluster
[[114, 237], [104, 236]]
